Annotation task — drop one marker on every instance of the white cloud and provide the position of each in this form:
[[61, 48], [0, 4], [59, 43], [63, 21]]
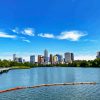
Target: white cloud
[[25, 40], [16, 30], [68, 35], [5, 35], [71, 35], [46, 35], [28, 31], [25, 31]]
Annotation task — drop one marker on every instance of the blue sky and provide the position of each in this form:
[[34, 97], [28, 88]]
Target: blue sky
[[29, 26]]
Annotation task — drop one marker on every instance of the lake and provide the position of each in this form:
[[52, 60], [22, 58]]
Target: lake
[[50, 75]]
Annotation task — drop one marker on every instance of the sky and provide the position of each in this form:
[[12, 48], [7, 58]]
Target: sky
[[27, 27]]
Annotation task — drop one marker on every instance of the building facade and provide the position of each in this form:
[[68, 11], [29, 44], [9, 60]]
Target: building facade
[[45, 56], [51, 59], [32, 59], [98, 55], [40, 59], [69, 57]]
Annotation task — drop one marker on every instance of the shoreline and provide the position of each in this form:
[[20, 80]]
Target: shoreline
[[15, 68]]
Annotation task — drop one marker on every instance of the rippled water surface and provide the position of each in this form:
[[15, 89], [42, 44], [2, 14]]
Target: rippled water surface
[[82, 92], [37, 76]]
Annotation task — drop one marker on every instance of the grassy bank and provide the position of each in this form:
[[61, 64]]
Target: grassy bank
[[20, 67]]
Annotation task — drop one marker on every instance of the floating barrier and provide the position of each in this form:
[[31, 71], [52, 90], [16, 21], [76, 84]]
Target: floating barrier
[[55, 84]]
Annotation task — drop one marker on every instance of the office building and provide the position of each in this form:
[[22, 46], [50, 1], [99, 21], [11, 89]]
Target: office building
[[40, 59], [98, 55], [72, 56], [60, 58], [14, 57], [69, 57], [20, 60], [45, 56], [51, 59], [55, 59], [32, 59]]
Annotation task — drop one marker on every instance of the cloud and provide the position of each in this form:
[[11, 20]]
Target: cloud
[[68, 35], [5, 35], [25, 31], [28, 31], [25, 40], [16, 30], [71, 35], [46, 35]]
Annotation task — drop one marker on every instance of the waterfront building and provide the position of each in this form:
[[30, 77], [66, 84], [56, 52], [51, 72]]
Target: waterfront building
[[72, 56], [55, 59], [51, 59], [40, 59], [60, 58], [14, 57], [69, 57], [98, 54], [32, 59], [20, 60], [45, 56], [23, 60]]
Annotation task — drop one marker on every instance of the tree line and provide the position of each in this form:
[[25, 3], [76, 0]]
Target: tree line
[[77, 63]]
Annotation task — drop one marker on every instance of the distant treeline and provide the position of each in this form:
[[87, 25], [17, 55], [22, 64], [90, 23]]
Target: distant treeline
[[77, 63]]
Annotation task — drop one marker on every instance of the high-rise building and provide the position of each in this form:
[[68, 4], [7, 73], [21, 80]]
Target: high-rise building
[[51, 59], [98, 54], [45, 56], [23, 60], [20, 60], [69, 57], [32, 59], [72, 56], [60, 58], [40, 59], [55, 59], [14, 57]]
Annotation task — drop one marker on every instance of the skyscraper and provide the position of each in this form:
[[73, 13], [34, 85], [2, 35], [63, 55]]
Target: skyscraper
[[20, 60], [72, 56], [69, 57], [45, 56], [59, 58], [51, 59], [55, 59], [14, 57], [98, 54], [40, 59], [32, 59]]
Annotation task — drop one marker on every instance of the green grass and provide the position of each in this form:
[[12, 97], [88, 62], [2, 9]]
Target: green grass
[[21, 67]]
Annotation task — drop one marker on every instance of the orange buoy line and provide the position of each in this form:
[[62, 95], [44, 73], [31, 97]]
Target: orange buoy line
[[42, 85]]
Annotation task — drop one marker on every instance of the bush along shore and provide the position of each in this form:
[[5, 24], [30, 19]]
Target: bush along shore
[[77, 63]]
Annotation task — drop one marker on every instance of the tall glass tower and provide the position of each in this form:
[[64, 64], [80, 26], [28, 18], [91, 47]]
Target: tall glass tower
[[45, 56]]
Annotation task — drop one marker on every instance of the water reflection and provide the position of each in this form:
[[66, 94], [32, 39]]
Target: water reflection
[[37, 76]]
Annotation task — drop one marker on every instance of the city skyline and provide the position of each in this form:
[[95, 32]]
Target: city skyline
[[47, 56], [27, 27], [27, 56]]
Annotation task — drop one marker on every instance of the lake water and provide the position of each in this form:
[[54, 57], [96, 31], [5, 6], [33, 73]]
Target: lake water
[[44, 75]]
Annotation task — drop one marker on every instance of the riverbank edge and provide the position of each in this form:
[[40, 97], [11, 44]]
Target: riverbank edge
[[15, 68], [42, 85]]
